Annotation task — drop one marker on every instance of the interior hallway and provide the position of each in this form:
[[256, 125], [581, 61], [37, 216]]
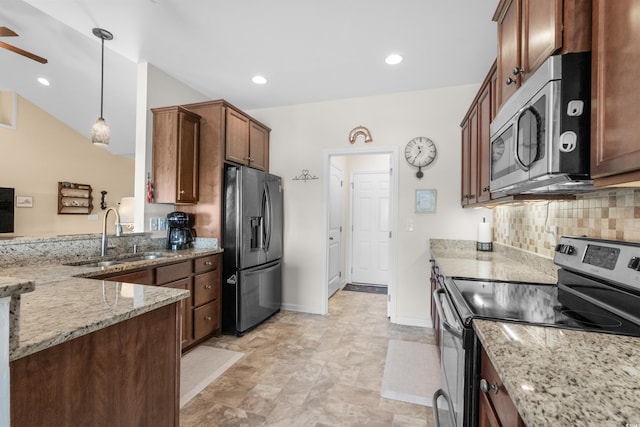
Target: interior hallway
[[311, 370]]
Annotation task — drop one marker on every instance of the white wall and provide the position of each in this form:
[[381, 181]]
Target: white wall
[[155, 89], [301, 133]]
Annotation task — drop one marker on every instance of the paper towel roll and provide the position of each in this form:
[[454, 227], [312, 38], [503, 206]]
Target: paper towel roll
[[485, 234]]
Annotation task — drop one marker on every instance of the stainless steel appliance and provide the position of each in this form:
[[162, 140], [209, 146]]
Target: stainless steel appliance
[[253, 227], [540, 138], [598, 290], [6, 209], [179, 231]]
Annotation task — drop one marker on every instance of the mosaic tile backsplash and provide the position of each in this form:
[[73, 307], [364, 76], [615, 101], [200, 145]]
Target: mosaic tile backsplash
[[607, 214]]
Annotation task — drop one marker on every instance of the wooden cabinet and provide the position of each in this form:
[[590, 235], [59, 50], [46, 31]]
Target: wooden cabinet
[[615, 147], [127, 374], [176, 136], [247, 142], [201, 312], [529, 31], [495, 407], [476, 145], [226, 134]]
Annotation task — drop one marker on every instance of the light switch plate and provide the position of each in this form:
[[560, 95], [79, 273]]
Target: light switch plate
[[153, 224]]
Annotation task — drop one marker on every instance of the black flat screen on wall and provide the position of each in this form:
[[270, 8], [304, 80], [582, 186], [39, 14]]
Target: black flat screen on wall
[[6, 209]]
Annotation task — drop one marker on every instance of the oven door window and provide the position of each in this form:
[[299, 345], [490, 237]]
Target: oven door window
[[530, 139]]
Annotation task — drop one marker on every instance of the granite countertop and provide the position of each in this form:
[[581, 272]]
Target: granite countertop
[[564, 377], [460, 259], [66, 303]]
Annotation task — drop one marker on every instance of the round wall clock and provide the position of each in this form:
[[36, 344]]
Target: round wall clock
[[420, 152]]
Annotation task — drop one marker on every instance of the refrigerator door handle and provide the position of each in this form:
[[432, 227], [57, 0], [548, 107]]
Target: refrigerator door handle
[[267, 216]]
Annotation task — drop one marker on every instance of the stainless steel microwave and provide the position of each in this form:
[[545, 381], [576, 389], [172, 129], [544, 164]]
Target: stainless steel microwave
[[540, 138]]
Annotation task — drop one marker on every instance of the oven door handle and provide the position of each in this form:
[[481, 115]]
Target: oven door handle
[[445, 324], [436, 414]]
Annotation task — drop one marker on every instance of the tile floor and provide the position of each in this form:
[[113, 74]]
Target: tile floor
[[311, 370]]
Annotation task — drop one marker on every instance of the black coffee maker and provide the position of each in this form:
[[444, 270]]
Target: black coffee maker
[[179, 233]]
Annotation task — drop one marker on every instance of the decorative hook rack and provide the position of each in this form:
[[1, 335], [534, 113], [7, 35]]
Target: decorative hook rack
[[305, 176]]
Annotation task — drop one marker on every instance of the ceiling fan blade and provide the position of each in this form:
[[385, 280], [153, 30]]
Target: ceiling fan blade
[[6, 32], [23, 53]]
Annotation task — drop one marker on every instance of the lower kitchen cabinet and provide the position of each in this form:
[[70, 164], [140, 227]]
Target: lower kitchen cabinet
[[495, 406], [201, 313]]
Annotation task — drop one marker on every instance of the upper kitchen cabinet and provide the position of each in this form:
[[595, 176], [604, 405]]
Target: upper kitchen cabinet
[[176, 136], [615, 147], [247, 142], [529, 31], [476, 144]]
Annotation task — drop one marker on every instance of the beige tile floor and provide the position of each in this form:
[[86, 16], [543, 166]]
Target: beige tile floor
[[311, 370]]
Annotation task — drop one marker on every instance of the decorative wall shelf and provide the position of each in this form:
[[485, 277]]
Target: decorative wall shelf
[[74, 198]]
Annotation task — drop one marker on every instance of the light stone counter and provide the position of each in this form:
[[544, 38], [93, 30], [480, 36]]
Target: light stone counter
[[67, 304], [560, 377], [458, 258]]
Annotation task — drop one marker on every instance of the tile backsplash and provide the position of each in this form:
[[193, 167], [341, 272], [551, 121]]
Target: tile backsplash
[[607, 214]]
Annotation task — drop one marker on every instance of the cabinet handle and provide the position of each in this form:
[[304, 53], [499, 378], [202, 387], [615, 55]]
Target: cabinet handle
[[510, 81], [207, 286], [518, 70], [207, 318], [208, 263], [249, 159], [181, 191], [485, 386]]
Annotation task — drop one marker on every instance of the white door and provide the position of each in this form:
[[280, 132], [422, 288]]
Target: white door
[[371, 228], [336, 196]]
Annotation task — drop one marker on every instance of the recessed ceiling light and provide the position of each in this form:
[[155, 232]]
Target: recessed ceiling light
[[43, 81], [259, 80], [393, 59]]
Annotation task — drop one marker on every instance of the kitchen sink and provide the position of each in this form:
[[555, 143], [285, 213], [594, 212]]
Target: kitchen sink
[[121, 259]]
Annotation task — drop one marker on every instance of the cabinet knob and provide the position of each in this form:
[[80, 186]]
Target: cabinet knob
[[207, 286], [208, 263], [485, 386], [181, 191], [249, 159], [518, 70], [207, 318], [510, 81]]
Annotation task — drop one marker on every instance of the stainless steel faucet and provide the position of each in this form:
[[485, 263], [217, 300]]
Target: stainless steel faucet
[[103, 250]]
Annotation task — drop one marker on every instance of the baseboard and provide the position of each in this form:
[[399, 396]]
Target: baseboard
[[300, 308], [407, 321]]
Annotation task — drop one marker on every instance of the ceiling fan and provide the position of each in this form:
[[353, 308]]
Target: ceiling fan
[[7, 32]]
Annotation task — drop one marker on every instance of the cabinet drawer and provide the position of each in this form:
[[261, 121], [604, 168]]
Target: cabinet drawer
[[142, 277], [173, 272], [206, 319], [206, 287], [206, 263]]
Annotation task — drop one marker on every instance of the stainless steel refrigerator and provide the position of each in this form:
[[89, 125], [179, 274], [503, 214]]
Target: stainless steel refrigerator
[[252, 241]]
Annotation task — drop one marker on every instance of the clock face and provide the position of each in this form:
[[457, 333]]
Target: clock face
[[420, 151]]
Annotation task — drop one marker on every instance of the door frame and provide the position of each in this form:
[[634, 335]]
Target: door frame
[[393, 217]]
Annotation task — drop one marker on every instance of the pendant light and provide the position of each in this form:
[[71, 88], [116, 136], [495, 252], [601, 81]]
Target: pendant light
[[100, 132]]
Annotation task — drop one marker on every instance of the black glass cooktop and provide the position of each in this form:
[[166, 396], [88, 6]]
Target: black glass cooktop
[[573, 307]]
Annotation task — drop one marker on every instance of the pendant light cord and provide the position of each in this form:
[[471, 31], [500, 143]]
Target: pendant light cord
[[102, 79]]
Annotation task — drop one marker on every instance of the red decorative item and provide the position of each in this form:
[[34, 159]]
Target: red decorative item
[[149, 189]]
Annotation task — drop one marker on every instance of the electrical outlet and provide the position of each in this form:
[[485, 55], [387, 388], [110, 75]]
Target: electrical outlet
[[153, 224]]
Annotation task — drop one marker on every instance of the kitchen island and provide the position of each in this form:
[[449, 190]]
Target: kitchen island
[[95, 352]]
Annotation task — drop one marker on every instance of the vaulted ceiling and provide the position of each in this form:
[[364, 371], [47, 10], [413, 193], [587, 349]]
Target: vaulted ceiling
[[308, 50]]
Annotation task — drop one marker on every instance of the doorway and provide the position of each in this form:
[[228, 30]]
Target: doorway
[[360, 165]]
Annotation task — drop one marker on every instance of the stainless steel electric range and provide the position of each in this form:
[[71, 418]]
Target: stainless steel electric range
[[598, 290]]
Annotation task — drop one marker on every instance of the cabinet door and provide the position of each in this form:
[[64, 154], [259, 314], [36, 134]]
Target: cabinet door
[[173, 272], [466, 163], [206, 288], [496, 406], [259, 147], [541, 32], [615, 147], [187, 174], [237, 137], [509, 54], [186, 312], [484, 144]]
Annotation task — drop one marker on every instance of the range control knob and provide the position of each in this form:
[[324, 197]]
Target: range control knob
[[565, 249], [634, 263]]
